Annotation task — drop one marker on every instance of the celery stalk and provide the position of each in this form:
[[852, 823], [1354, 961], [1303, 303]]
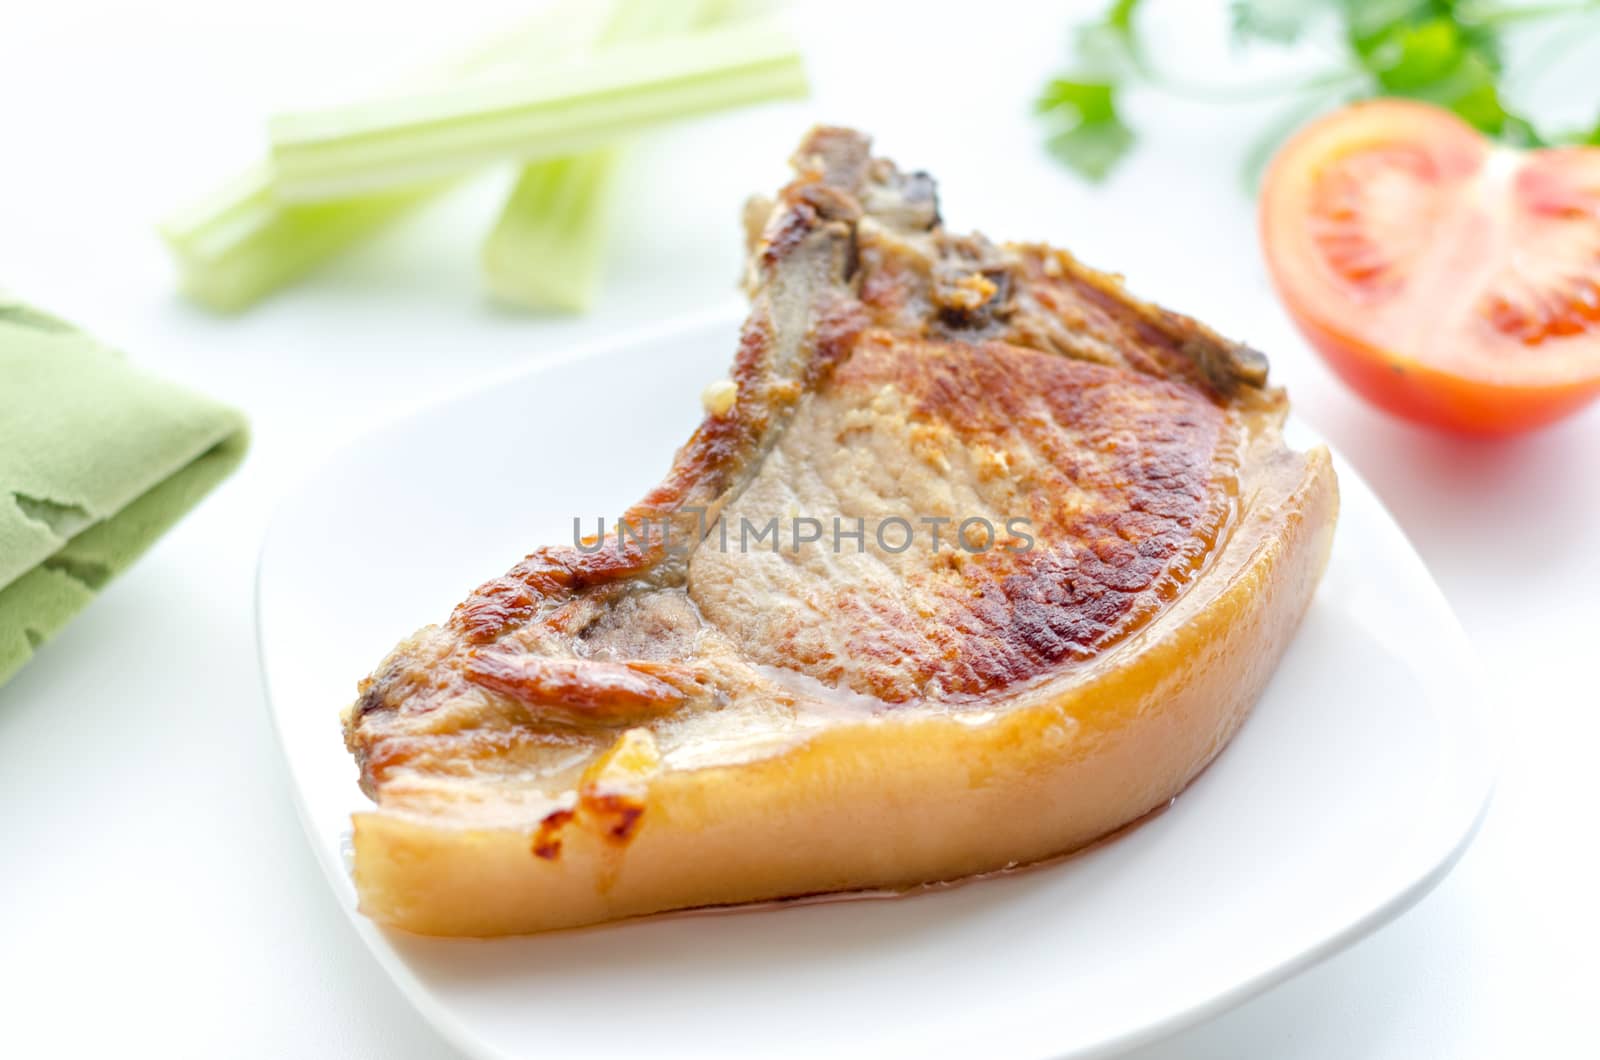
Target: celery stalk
[[619, 92], [548, 244], [241, 244]]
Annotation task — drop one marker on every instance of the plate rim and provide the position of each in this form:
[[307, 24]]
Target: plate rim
[[1483, 768]]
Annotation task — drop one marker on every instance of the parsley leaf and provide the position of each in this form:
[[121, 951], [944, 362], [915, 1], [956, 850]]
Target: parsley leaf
[[1435, 58], [1407, 58], [1090, 135], [1367, 21], [1120, 16]]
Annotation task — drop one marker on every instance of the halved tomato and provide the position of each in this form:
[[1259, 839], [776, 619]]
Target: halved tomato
[[1449, 279]]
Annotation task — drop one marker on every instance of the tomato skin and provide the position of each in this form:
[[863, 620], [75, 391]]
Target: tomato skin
[[1475, 377], [1423, 394]]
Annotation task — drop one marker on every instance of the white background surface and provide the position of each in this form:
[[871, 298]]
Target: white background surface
[[157, 893]]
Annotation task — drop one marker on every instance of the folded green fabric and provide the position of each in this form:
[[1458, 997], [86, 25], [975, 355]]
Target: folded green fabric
[[97, 460]]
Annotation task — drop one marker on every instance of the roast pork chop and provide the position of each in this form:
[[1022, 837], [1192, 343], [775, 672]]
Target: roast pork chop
[[676, 715]]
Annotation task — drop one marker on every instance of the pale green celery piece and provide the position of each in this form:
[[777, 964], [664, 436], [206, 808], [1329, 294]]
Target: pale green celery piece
[[547, 247], [617, 93], [241, 243]]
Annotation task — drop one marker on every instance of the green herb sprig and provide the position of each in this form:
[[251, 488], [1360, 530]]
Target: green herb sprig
[[1447, 52]]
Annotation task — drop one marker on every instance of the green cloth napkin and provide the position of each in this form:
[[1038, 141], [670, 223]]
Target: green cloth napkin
[[97, 460]]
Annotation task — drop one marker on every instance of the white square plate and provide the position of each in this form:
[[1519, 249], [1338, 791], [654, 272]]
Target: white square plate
[[1351, 790]]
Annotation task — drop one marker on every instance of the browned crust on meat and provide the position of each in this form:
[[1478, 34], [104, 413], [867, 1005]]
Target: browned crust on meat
[[1115, 530], [586, 691]]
